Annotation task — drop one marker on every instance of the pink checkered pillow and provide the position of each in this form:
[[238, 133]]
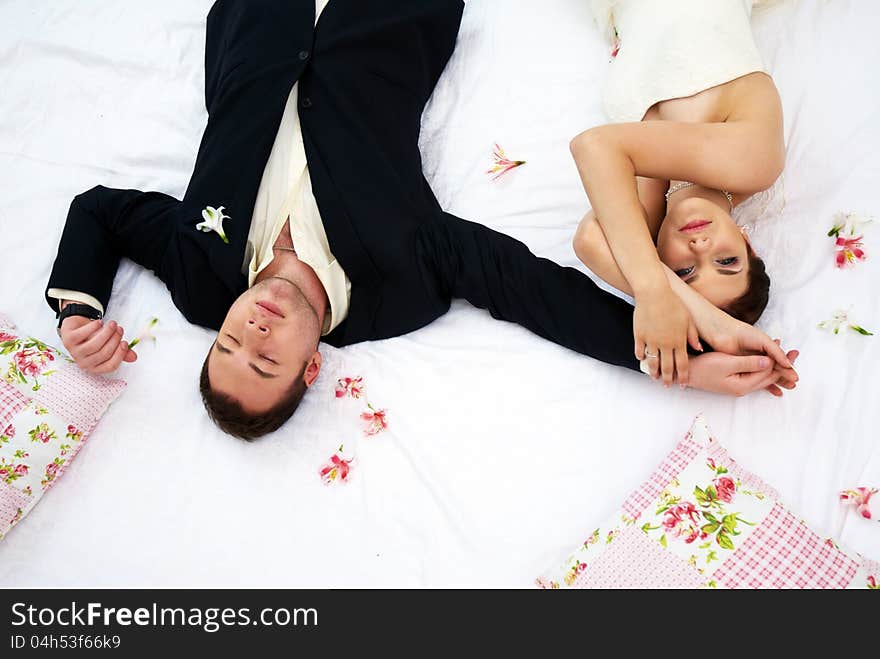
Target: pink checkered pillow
[[48, 407], [701, 520]]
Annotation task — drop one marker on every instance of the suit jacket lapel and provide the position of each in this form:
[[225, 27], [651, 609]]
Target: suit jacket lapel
[[258, 68]]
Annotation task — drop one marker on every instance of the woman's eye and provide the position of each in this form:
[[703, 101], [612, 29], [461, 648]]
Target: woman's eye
[[271, 361], [729, 261], [685, 272]]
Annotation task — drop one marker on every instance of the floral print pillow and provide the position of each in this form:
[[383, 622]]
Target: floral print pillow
[[31, 358], [701, 520], [47, 409]]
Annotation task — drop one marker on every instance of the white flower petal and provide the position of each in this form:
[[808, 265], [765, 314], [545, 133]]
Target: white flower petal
[[213, 221]]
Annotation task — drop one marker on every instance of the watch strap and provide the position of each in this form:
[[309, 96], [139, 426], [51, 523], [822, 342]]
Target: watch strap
[[75, 309]]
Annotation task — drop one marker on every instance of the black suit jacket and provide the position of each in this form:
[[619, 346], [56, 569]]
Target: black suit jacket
[[365, 73]]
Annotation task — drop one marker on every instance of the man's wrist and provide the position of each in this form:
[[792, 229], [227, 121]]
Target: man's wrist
[[77, 309]]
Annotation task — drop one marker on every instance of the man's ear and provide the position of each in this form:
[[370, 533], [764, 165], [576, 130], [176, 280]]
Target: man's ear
[[313, 368]]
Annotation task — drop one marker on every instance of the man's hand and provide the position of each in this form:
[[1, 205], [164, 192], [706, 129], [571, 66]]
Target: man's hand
[[740, 375], [662, 328], [97, 347]]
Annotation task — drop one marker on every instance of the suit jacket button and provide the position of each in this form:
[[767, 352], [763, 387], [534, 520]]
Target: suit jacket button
[[304, 55], [307, 102]]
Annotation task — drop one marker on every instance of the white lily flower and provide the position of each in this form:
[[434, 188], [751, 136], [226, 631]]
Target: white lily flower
[[841, 319], [214, 221], [146, 334], [849, 224]]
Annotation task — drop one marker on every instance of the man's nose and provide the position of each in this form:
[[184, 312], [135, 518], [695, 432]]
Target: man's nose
[[257, 327]]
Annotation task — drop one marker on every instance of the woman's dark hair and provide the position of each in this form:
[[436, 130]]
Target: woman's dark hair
[[231, 418], [749, 306]]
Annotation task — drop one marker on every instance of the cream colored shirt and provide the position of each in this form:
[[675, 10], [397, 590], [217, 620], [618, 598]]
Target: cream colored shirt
[[285, 192]]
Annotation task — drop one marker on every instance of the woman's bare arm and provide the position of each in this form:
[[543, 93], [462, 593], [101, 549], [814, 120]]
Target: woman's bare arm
[[592, 249], [740, 156]]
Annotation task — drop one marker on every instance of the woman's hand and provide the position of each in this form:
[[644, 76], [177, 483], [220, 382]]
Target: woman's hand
[[740, 375], [727, 334], [662, 328]]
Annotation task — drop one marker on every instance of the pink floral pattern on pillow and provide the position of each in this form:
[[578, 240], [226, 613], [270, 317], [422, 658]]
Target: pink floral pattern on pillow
[[47, 409], [711, 523], [30, 359]]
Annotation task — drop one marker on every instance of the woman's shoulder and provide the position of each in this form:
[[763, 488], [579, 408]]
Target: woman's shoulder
[[753, 96]]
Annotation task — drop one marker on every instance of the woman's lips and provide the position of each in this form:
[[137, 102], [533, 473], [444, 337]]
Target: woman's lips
[[696, 225], [273, 309]]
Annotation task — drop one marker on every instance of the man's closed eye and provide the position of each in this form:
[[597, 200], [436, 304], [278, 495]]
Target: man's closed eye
[[263, 374]]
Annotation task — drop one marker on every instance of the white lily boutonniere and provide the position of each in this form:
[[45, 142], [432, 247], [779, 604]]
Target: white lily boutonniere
[[214, 221]]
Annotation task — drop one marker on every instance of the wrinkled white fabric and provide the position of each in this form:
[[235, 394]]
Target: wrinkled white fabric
[[503, 450]]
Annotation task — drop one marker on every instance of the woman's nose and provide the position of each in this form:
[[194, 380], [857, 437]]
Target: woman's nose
[[258, 327], [699, 245]]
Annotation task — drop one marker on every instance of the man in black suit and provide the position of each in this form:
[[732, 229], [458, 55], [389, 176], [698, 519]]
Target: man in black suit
[[307, 217]]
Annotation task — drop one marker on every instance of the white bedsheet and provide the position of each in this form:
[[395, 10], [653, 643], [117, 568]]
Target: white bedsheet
[[503, 449]]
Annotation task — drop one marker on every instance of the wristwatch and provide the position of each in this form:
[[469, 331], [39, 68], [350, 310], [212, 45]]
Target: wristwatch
[[75, 309]]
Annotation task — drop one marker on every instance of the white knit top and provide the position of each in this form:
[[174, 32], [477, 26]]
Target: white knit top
[[673, 49]]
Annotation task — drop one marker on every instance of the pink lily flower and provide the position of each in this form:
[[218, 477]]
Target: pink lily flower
[[849, 251], [353, 387], [376, 421], [502, 163], [337, 469], [860, 498]]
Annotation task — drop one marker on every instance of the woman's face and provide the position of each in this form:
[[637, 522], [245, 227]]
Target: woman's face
[[702, 244]]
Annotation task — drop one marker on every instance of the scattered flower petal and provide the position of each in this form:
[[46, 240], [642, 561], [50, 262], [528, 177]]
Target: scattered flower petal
[[353, 387], [839, 320], [502, 163], [337, 468], [376, 421], [849, 251], [859, 497], [616, 48], [213, 221], [848, 232], [849, 224], [146, 333]]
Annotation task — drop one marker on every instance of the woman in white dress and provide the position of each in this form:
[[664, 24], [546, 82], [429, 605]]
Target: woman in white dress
[[698, 129]]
